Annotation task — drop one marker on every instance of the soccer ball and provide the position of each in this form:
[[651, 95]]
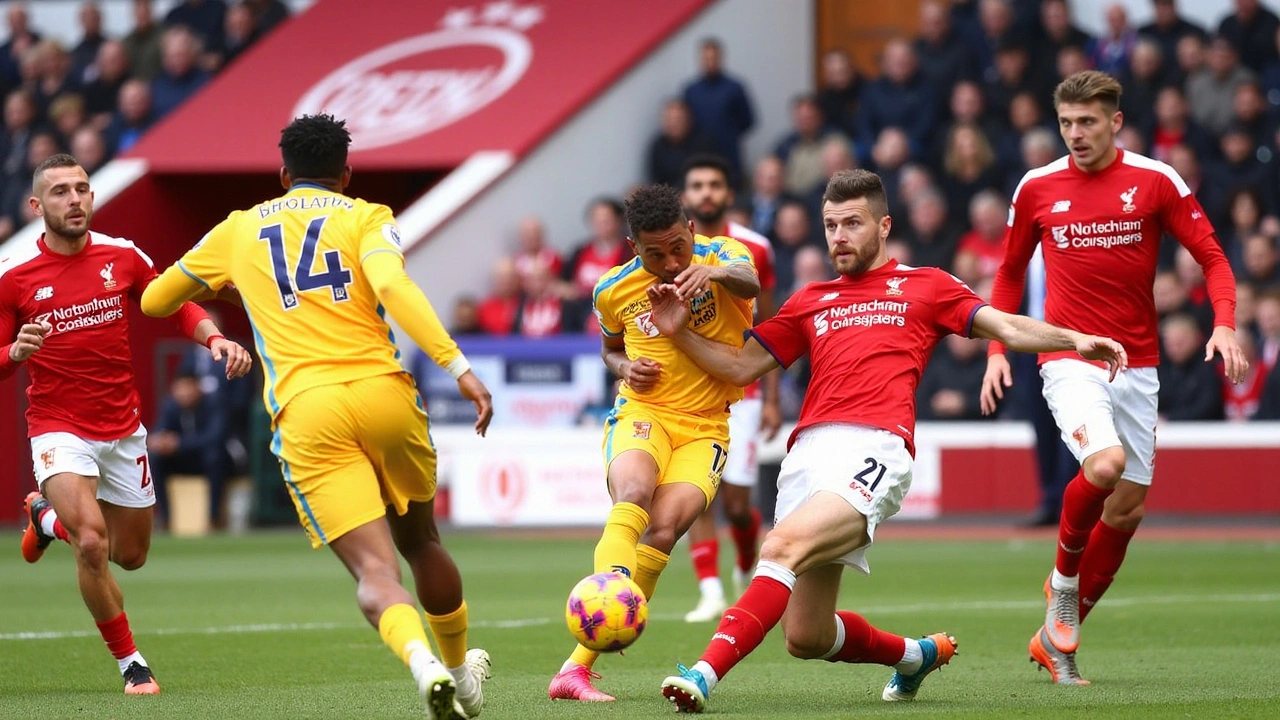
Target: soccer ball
[[606, 612]]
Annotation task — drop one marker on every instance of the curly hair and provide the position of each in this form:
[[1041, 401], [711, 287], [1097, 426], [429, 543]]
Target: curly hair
[[315, 146], [651, 208]]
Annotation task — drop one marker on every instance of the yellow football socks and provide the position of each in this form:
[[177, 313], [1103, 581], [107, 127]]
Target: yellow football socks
[[584, 657], [617, 546], [450, 632], [650, 564], [399, 627]]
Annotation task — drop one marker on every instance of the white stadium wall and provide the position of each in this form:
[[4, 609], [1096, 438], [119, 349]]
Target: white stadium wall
[[602, 149]]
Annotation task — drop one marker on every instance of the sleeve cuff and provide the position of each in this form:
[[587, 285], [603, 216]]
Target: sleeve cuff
[[763, 344], [458, 367]]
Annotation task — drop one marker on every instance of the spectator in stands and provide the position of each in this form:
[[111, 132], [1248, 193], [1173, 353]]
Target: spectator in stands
[[596, 255], [810, 265], [969, 166], [900, 97], [1190, 388], [205, 18], [1211, 89], [66, 113], [1026, 113], [1059, 33], [543, 311], [1169, 294], [1246, 308], [21, 39], [532, 250], [1269, 403], [837, 156], [188, 439], [101, 93], [238, 33], [888, 156], [234, 399], [91, 39], [945, 58], [801, 150], [143, 42], [1167, 28], [89, 148], [932, 238], [1132, 140], [1241, 401], [465, 319], [56, 77], [180, 77], [674, 144], [838, 89], [17, 188], [968, 107], [1183, 160], [132, 119], [952, 381], [499, 311], [913, 181], [1191, 275], [1260, 265], [267, 14], [996, 27], [1172, 125], [720, 105], [1240, 166], [1142, 79], [791, 235], [1267, 317], [1252, 29], [767, 195], [1110, 52], [20, 120], [1012, 76], [980, 252], [1071, 60], [1244, 209], [1038, 148], [1250, 110]]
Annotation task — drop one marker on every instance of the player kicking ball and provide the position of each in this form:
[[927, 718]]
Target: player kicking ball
[[868, 335], [65, 298]]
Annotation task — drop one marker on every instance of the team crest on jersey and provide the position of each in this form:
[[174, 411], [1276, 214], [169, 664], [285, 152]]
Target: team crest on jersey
[[1060, 236], [1081, 436], [895, 285], [644, 322], [108, 280], [640, 430], [1127, 197], [46, 458]]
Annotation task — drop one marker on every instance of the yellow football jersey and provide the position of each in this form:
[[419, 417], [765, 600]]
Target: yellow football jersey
[[296, 261], [622, 306]]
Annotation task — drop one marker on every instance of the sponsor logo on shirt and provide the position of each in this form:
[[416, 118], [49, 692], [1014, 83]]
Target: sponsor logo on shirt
[[644, 322], [44, 293], [1061, 206], [1127, 197], [1105, 234], [640, 430], [97, 311], [860, 314]]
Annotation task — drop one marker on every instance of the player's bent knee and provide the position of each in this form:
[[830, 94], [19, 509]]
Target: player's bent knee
[[807, 646], [659, 537], [1105, 467], [92, 548], [781, 548], [130, 560]]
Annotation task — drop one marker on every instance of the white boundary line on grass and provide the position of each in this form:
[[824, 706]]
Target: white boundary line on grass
[[974, 606]]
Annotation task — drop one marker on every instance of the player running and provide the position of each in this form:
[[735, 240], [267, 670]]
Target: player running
[[1099, 214], [315, 268], [707, 198], [869, 335], [666, 440], [63, 301]]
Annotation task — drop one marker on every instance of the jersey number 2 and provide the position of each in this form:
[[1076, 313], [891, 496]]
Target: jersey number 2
[[334, 276]]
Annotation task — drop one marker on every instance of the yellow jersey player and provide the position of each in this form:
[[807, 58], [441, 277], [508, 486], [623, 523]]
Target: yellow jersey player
[[667, 438], [315, 269]]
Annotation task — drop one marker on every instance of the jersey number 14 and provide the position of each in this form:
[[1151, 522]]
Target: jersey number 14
[[334, 276]]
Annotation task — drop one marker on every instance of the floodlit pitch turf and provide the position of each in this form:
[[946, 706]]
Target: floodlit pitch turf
[[263, 627]]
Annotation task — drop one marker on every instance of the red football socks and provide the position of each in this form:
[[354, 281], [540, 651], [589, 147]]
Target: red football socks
[[1081, 509], [744, 625], [118, 636], [1102, 559], [864, 643], [706, 558], [745, 539]]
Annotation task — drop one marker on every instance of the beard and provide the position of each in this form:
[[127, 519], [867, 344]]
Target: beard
[[709, 217], [61, 227], [857, 263]]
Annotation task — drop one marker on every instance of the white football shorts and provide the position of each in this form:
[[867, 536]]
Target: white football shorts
[[121, 466], [1093, 414], [743, 466]]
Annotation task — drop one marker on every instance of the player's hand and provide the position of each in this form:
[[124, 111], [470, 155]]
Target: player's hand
[[1092, 347], [997, 378], [30, 339], [695, 280], [475, 391], [770, 420], [1223, 342], [239, 361], [669, 312], [642, 374]]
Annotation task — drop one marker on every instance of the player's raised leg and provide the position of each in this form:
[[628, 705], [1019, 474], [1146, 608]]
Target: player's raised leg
[[43, 527], [1109, 541]]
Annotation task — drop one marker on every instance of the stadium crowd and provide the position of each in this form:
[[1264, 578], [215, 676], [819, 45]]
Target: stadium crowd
[[956, 116]]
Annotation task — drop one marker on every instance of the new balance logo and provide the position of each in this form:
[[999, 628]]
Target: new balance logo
[[44, 293], [829, 296], [1061, 206]]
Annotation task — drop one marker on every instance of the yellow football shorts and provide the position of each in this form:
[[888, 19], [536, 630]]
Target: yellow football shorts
[[687, 448], [349, 451]]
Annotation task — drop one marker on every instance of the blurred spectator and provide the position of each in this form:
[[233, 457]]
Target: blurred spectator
[[1244, 211], [238, 33], [932, 238], [56, 77], [532, 250], [1268, 327], [1260, 266], [180, 77], [1167, 28], [1252, 29], [1211, 89], [801, 150], [66, 112], [952, 382], [1189, 387], [1012, 76], [204, 18], [1271, 82], [143, 42], [996, 26], [889, 155], [91, 39], [499, 311], [980, 253], [1059, 33], [1190, 57], [1110, 52], [900, 97], [791, 235], [19, 122], [810, 265], [1250, 110], [267, 14], [465, 319], [132, 119], [1142, 79], [767, 195], [969, 166], [720, 105], [1172, 125], [1269, 403], [895, 248], [1071, 60], [1039, 147], [88, 146], [1183, 160], [188, 440], [101, 93], [1191, 275], [674, 144], [1246, 308], [837, 156], [1131, 140], [17, 188], [838, 88], [913, 181], [599, 253], [543, 311], [1240, 166], [21, 39], [1026, 114], [945, 58], [968, 107], [1241, 402]]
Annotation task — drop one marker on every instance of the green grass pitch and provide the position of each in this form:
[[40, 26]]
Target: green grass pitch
[[263, 627]]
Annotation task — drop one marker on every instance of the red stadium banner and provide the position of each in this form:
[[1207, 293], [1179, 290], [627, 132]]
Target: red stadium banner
[[421, 84]]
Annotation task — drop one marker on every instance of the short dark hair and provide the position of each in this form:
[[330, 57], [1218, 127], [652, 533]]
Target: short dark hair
[[61, 160], [711, 42], [651, 208], [705, 161], [1087, 86], [605, 201], [853, 184], [315, 146]]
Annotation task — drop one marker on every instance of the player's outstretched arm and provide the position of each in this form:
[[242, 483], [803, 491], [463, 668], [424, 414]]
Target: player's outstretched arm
[[739, 278], [739, 366], [1024, 334], [169, 292]]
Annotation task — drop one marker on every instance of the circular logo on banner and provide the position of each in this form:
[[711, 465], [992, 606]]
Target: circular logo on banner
[[502, 489], [423, 83]]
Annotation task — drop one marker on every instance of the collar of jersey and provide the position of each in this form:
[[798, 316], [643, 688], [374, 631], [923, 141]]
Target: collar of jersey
[[308, 186]]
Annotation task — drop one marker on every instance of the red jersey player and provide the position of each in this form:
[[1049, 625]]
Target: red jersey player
[[848, 465], [63, 300], [1099, 214], [707, 197]]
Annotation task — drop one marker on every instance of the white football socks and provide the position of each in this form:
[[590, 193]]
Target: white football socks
[[136, 657], [708, 673], [1058, 581], [912, 659], [47, 519], [711, 588]]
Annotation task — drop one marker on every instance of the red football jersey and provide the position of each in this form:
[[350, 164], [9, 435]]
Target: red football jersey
[[1101, 238], [868, 339], [762, 256], [82, 378]]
